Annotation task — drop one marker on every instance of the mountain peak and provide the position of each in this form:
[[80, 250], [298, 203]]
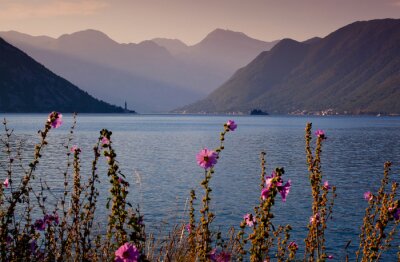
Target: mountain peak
[[286, 43], [88, 35], [220, 31], [224, 35], [222, 39]]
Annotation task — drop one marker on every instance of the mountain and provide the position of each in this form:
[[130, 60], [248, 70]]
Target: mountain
[[144, 74], [355, 69], [111, 71], [174, 46], [228, 49], [27, 86]]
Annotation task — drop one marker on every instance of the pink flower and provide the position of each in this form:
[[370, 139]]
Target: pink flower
[[326, 185], [265, 193], [105, 141], [268, 179], [48, 219], [219, 256], [206, 158], [74, 149], [330, 257], [188, 228], [320, 133], [55, 119], [6, 183], [314, 219], [127, 253], [395, 212], [293, 245], [250, 220], [223, 257], [40, 224], [231, 125], [368, 196], [284, 190]]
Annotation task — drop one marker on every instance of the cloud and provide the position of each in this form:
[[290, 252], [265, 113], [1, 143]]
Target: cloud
[[12, 10]]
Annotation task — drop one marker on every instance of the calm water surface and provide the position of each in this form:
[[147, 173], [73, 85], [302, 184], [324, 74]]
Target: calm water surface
[[157, 155]]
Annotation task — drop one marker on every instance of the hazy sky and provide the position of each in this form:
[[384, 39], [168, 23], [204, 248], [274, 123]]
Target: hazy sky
[[190, 20]]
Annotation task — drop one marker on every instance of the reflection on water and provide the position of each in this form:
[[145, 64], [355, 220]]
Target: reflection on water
[[157, 155]]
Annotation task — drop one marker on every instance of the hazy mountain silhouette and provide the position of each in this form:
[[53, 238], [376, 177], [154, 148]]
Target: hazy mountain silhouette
[[220, 53], [145, 71], [174, 46], [355, 69], [225, 49], [27, 86]]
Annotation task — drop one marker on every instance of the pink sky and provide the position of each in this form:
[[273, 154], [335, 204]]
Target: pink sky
[[190, 20]]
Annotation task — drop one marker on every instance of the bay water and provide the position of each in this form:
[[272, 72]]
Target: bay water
[[157, 154]]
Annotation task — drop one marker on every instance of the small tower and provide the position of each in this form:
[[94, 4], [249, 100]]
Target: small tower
[[126, 107]]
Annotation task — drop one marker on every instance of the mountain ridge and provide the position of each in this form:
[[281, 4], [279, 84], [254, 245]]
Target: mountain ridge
[[353, 70], [28, 86], [141, 72]]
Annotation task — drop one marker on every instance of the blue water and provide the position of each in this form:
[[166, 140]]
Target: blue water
[[157, 154]]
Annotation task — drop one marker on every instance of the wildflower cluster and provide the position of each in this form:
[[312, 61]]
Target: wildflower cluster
[[65, 233], [31, 229], [263, 236], [201, 237], [382, 216], [323, 196]]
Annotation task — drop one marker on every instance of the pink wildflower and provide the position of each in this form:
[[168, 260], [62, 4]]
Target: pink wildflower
[[206, 158], [127, 253], [268, 179], [265, 193], [224, 257], [314, 219], [326, 185], [395, 212], [293, 245], [330, 257], [249, 220], [231, 125], [33, 246], [48, 219], [6, 183], [284, 190], [188, 228], [320, 133], [55, 119], [105, 141], [219, 256], [40, 224], [368, 196], [74, 149]]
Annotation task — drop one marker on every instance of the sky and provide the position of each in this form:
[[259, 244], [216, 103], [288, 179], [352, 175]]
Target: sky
[[190, 20]]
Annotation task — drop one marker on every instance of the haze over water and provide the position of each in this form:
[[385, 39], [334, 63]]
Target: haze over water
[[157, 155]]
